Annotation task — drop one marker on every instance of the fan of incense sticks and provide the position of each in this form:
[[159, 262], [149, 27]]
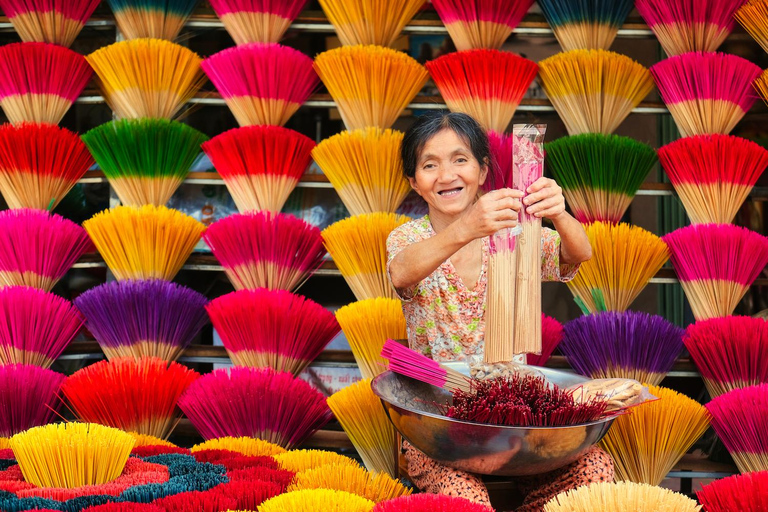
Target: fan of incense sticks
[[742, 493], [246, 446], [255, 402], [689, 25], [480, 23], [262, 83], [145, 160], [249, 495], [365, 168], [158, 19], [375, 486], [725, 351], [37, 326], [367, 324], [257, 21], [133, 395], [551, 336], [39, 164], [303, 460], [761, 85], [146, 77], [40, 81], [621, 497], [143, 318], [358, 247], [590, 25], [37, 248], [197, 501], [45, 21], [29, 397], [593, 91], [317, 499], [260, 165], [272, 328], [706, 92], [266, 250], [600, 174], [713, 174], [365, 421], [369, 21], [425, 502], [150, 242], [371, 85], [624, 259], [124, 506], [738, 418], [626, 345], [486, 84], [716, 264], [68, 455], [646, 443], [410, 363], [753, 16]]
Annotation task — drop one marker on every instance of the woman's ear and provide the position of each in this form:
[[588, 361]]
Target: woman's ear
[[414, 185], [484, 172]]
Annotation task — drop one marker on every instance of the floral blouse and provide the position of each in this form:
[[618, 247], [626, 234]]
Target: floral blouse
[[445, 319]]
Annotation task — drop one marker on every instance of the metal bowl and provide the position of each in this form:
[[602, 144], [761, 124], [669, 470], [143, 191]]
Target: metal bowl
[[478, 448]]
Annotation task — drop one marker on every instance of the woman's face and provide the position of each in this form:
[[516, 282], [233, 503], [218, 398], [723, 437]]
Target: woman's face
[[448, 175]]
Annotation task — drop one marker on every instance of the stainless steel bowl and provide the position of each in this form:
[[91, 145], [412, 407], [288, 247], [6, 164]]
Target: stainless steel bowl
[[477, 448]]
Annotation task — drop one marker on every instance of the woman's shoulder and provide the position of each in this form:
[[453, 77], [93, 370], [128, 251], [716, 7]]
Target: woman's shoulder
[[416, 228]]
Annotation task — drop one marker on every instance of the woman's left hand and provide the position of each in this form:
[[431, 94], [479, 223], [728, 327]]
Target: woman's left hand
[[544, 199]]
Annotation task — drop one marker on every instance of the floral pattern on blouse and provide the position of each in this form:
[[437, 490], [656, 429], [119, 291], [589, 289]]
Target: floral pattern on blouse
[[445, 319]]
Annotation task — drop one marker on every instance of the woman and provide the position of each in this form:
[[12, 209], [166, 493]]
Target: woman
[[437, 265]]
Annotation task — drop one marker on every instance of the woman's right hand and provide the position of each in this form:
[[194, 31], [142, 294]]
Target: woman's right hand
[[494, 211]]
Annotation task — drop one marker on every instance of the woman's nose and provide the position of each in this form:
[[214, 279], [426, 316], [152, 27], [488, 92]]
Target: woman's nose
[[447, 173]]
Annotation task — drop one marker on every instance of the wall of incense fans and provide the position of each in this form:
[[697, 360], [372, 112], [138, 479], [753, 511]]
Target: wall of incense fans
[[156, 82]]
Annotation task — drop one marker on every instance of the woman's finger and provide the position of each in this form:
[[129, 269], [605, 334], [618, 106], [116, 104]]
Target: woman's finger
[[544, 205]]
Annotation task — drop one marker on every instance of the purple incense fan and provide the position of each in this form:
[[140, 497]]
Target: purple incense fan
[[626, 344], [143, 318]]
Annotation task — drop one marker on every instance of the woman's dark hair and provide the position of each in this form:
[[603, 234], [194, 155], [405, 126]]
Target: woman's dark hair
[[429, 125]]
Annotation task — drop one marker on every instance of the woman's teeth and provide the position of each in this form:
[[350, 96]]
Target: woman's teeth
[[451, 192]]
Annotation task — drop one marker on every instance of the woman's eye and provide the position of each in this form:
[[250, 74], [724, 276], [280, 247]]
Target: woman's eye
[[461, 160]]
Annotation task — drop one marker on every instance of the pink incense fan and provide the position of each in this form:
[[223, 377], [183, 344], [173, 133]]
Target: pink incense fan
[[28, 397], [410, 363], [48, 21]]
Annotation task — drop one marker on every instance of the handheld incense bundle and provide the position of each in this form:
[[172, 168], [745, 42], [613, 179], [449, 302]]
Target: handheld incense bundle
[[716, 264], [689, 25], [145, 160], [370, 84], [266, 250], [744, 493], [374, 486], [39, 164], [502, 164], [317, 499], [37, 248], [600, 174], [262, 83], [621, 497], [150, 242], [255, 402], [37, 326], [593, 91], [624, 259], [369, 21], [28, 397], [132, 395], [647, 442], [365, 168], [486, 84], [729, 352], [551, 336], [45, 21], [410, 363], [158, 19], [706, 92], [476, 24], [713, 174], [68, 455], [257, 21], [753, 16], [40, 81], [365, 421], [260, 165], [146, 77], [738, 418], [151, 318], [367, 325], [358, 246], [590, 25], [272, 328], [626, 345]]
